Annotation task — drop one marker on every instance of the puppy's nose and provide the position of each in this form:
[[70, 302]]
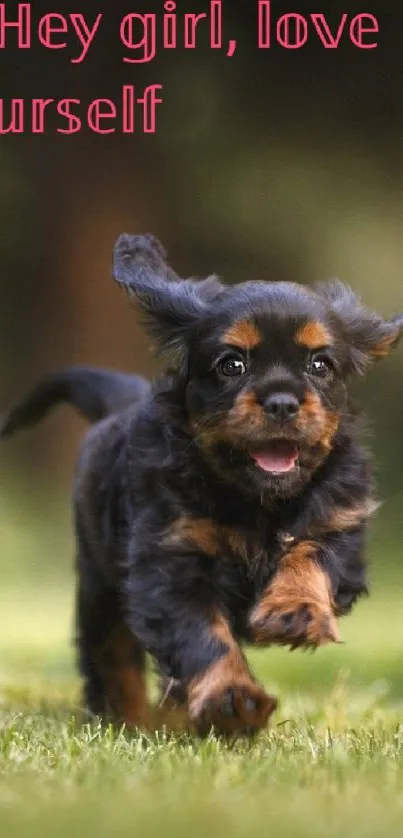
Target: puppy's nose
[[282, 407]]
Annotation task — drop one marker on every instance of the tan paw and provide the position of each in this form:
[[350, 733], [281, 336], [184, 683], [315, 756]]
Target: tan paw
[[302, 624], [231, 708]]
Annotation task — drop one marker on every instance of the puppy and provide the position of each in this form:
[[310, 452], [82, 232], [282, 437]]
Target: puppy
[[229, 503]]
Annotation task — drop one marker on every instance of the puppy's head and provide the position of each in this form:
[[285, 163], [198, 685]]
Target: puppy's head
[[264, 365]]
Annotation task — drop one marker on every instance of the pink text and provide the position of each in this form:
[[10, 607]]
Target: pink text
[[292, 30]]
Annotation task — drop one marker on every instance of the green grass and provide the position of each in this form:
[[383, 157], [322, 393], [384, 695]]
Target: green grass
[[331, 763]]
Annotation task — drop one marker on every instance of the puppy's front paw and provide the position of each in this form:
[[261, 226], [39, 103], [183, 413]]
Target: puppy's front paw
[[302, 623], [230, 708]]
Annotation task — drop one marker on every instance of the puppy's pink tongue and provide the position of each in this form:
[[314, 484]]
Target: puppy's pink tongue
[[278, 459]]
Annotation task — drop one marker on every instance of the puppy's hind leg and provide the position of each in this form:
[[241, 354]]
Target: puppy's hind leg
[[122, 665], [91, 632], [112, 662]]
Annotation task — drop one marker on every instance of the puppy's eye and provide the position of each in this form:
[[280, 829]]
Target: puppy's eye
[[320, 365], [232, 367]]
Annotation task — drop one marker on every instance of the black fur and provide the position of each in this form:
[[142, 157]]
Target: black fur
[[93, 392], [186, 451]]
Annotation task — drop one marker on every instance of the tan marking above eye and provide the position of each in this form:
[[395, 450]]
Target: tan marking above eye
[[243, 334], [313, 335]]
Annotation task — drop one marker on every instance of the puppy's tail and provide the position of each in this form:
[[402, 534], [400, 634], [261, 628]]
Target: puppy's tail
[[95, 393]]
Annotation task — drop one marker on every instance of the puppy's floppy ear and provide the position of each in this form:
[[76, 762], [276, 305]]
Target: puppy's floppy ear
[[172, 308], [368, 336]]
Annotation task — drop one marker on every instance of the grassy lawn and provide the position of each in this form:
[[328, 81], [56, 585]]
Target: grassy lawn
[[332, 762]]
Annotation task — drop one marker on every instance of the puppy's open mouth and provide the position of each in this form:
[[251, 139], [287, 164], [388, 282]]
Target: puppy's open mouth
[[279, 457]]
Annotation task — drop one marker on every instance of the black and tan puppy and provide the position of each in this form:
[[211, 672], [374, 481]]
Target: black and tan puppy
[[228, 504]]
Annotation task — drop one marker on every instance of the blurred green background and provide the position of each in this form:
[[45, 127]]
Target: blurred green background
[[273, 165]]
